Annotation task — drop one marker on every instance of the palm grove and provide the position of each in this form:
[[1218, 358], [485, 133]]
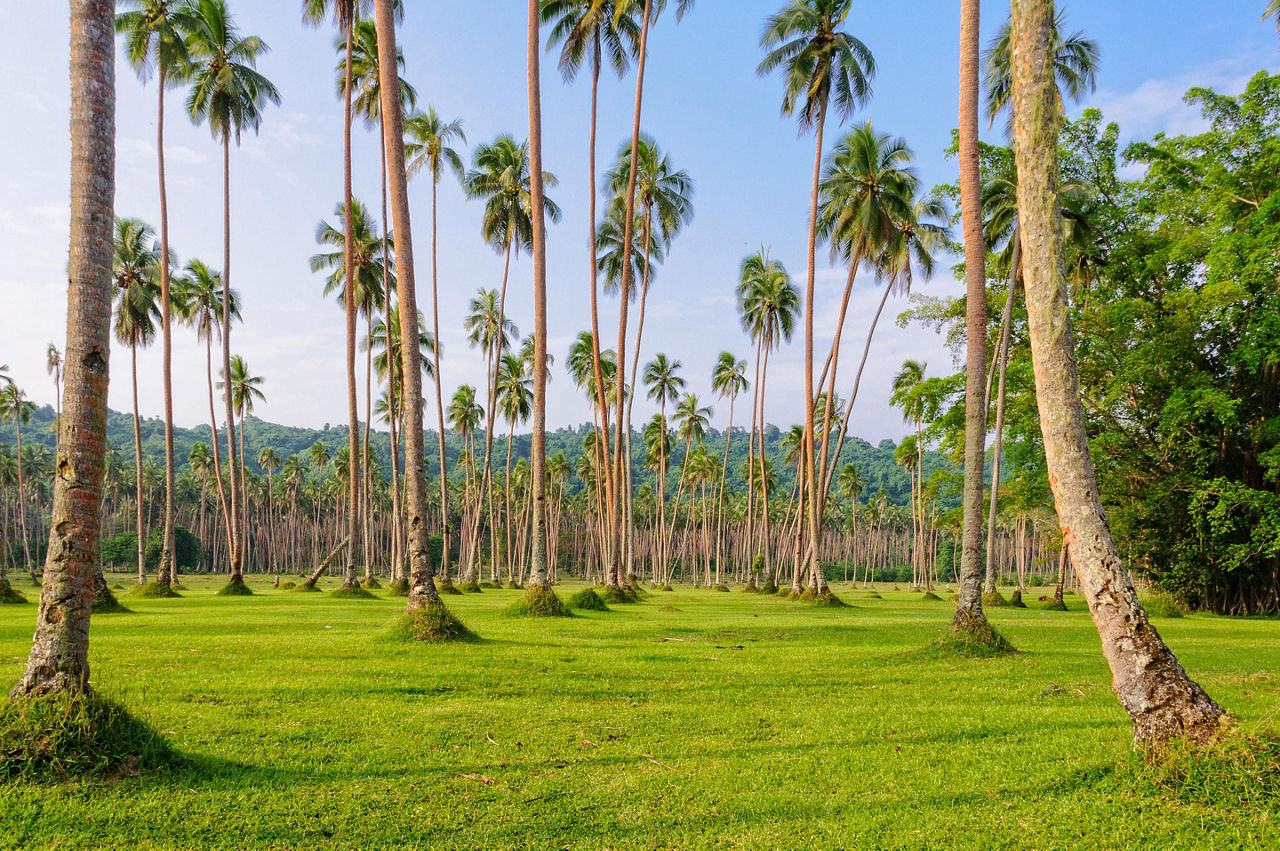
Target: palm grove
[[1103, 284]]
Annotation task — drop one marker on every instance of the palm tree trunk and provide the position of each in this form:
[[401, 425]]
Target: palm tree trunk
[[422, 588], [364, 449], [213, 432], [137, 468], [1163, 702], [724, 474], [810, 459], [629, 505], [1002, 357], [624, 289], [236, 532], [969, 615], [168, 573], [59, 659], [353, 408], [447, 530]]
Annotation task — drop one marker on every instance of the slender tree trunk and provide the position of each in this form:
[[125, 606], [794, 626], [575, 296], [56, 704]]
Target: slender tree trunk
[[137, 470], [1163, 702], [538, 450], [969, 615], [236, 532], [350, 580], [422, 587], [1002, 359], [59, 659], [168, 572], [447, 529], [810, 458]]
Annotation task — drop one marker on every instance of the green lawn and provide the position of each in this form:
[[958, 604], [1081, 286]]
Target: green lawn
[[693, 719]]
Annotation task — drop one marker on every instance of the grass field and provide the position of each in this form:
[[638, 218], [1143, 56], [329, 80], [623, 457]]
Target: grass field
[[693, 719]]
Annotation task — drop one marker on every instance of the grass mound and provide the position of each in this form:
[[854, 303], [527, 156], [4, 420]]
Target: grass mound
[[10, 595], [490, 584], [994, 600], [620, 594], [750, 589], [235, 588], [511, 583], [588, 600], [973, 640], [373, 584], [61, 736], [447, 588], [305, 587], [724, 588], [471, 587], [769, 588], [1015, 600], [929, 595], [155, 589], [828, 600], [1237, 771], [669, 609], [1055, 606], [665, 588], [432, 623], [288, 586], [539, 601], [872, 595], [352, 592], [400, 588], [1162, 605], [106, 603]]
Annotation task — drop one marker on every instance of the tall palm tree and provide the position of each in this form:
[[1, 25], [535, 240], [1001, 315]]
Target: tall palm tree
[[820, 63], [662, 377], [1162, 701], [431, 150], [54, 366], [969, 616], [691, 419], [608, 29], [59, 658], [245, 389], [153, 33], [15, 406], [198, 297], [269, 461], [768, 304], [652, 9], [728, 378], [135, 266], [515, 401], [344, 14], [227, 92], [906, 394]]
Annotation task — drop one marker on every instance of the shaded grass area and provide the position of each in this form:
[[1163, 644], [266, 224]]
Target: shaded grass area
[[691, 719]]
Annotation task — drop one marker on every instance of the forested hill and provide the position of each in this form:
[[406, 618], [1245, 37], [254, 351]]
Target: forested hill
[[875, 464]]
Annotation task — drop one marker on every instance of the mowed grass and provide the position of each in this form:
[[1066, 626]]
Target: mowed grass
[[693, 719]]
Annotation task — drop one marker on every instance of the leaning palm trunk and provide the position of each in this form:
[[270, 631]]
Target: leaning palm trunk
[[969, 615], [59, 659], [1163, 702], [422, 587], [1001, 366]]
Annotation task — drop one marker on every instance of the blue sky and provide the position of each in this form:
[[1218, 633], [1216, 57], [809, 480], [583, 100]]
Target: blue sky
[[704, 104]]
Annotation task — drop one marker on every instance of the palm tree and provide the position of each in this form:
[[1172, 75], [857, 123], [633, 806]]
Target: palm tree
[[767, 305], [850, 483], [244, 388], [515, 400], [199, 300], [229, 94], [969, 616], [906, 394], [54, 366], [728, 378], [269, 461], [1075, 68], [819, 62], [661, 376], [1162, 701], [59, 658], [608, 29], [15, 406], [464, 415], [135, 264], [431, 150], [691, 418], [1273, 11], [153, 33]]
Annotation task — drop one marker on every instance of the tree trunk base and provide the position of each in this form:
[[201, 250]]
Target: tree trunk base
[[10, 595], [432, 623], [539, 601], [235, 587], [971, 636]]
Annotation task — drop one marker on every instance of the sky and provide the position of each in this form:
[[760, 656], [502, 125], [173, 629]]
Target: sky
[[704, 104]]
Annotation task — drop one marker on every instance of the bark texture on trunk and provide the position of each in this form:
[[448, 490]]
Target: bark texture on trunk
[[168, 570], [538, 465], [422, 587], [1163, 702], [349, 305], [59, 660], [969, 612]]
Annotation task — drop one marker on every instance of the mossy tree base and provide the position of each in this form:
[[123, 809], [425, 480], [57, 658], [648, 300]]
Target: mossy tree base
[[372, 584], [723, 588], [972, 638], [105, 603], [827, 599], [1015, 600], [352, 592], [1055, 606], [10, 596], [471, 587], [587, 600], [491, 585], [433, 623], [156, 590], [539, 601], [994, 600], [1235, 770], [769, 588], [618, 594], [750, 589], [447, 588], [306, 587], [235, 588], [83, 735], [929, 595]]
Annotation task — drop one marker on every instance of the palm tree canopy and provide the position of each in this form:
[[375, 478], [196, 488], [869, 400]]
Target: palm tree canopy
[[197, 298], [768, 302], [867, 185], [226, 89], [135, 267], [430, 146], [500, 177], [366, 94], [153, 37], [662, 377], [663, 193], [581, 27], [369, 260], [610, 243], [729, 375], [485, 325], [245, 388], [515, 389], [817, 59], [692, 417]]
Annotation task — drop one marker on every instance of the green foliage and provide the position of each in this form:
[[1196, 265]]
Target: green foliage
[[1162, 605], [539, 601], [973, 641], [63, 736], [186, 546], [352, 593], [588, 601], [433, 624], [120, 549], [1238, 770]]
